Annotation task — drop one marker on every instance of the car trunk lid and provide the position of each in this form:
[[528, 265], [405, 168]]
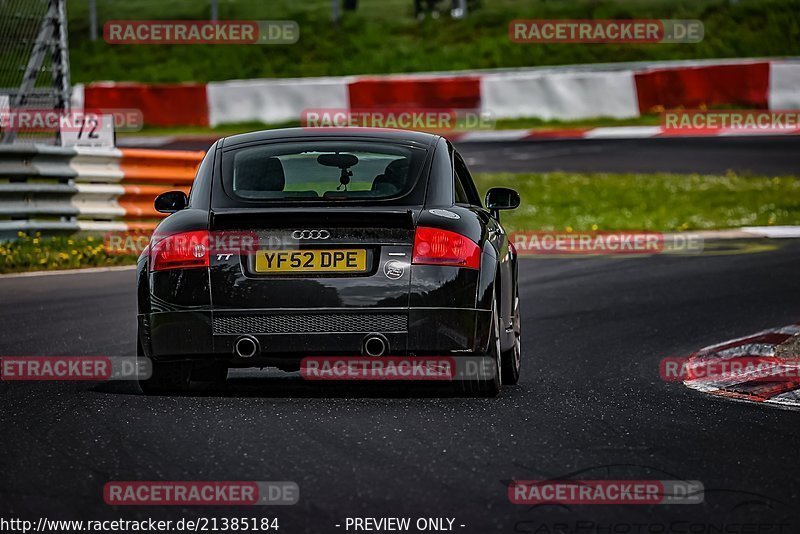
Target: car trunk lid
[[314, 259]]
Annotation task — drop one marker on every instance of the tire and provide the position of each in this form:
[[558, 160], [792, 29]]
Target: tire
[[512, 358], [489, 387], [166, 377]]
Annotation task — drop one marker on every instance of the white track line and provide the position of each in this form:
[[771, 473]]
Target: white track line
[[90, 270]]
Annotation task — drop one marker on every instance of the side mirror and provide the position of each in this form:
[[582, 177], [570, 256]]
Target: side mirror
[[501, 198], [171, 201]]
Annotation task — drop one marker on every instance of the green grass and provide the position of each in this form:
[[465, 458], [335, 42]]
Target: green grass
[[658, 202], [37, 253], [383, 37], [597, 122], [550, 201]]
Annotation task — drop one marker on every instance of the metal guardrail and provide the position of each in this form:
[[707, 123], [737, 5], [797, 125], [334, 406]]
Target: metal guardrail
[[52, 189], [36, 185]]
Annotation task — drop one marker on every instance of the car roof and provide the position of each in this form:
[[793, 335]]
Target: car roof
[[360, 134]]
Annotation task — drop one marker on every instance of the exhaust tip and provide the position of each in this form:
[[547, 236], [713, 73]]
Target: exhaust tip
[[246, 347], [375, 345]]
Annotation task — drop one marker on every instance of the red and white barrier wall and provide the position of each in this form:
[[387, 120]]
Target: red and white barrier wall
[[574, 92]]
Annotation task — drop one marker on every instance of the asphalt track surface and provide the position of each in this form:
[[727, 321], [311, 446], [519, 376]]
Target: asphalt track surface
[[771, 156], [763, 155], [590, 405]]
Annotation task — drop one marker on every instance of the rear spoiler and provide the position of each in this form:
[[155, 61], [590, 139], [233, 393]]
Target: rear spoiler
[[332, 217]]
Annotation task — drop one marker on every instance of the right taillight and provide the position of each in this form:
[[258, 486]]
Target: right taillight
[[186, 250], [433, 246]]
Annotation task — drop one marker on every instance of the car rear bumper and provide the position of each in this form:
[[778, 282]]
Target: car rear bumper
[[293, 334]]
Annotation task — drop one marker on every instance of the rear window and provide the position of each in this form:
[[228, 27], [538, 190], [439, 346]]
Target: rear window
[[321, 171]]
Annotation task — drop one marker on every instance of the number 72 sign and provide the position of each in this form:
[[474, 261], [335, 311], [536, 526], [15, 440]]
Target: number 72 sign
[[88, 130]]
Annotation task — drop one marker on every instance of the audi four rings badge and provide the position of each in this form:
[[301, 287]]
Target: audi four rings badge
[[311, 234]]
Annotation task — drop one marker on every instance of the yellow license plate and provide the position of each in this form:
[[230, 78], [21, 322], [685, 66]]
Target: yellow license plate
[[312, 261]]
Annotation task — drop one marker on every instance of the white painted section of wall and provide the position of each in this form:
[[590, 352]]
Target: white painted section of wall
[[560, 95], [784, 85], [273, 100]]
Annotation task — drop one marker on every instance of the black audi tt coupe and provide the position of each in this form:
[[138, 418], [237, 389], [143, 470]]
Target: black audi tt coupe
[[297, 242]]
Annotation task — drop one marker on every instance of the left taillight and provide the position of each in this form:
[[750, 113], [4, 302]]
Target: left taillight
[[187, 250]]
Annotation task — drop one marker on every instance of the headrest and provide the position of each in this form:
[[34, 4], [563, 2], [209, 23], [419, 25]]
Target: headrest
[[394, 177], [398, 169], [258, 172]]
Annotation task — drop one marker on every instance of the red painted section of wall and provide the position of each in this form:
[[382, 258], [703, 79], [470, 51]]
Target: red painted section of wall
[[178, 104], [462, 92], [693, 87]]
